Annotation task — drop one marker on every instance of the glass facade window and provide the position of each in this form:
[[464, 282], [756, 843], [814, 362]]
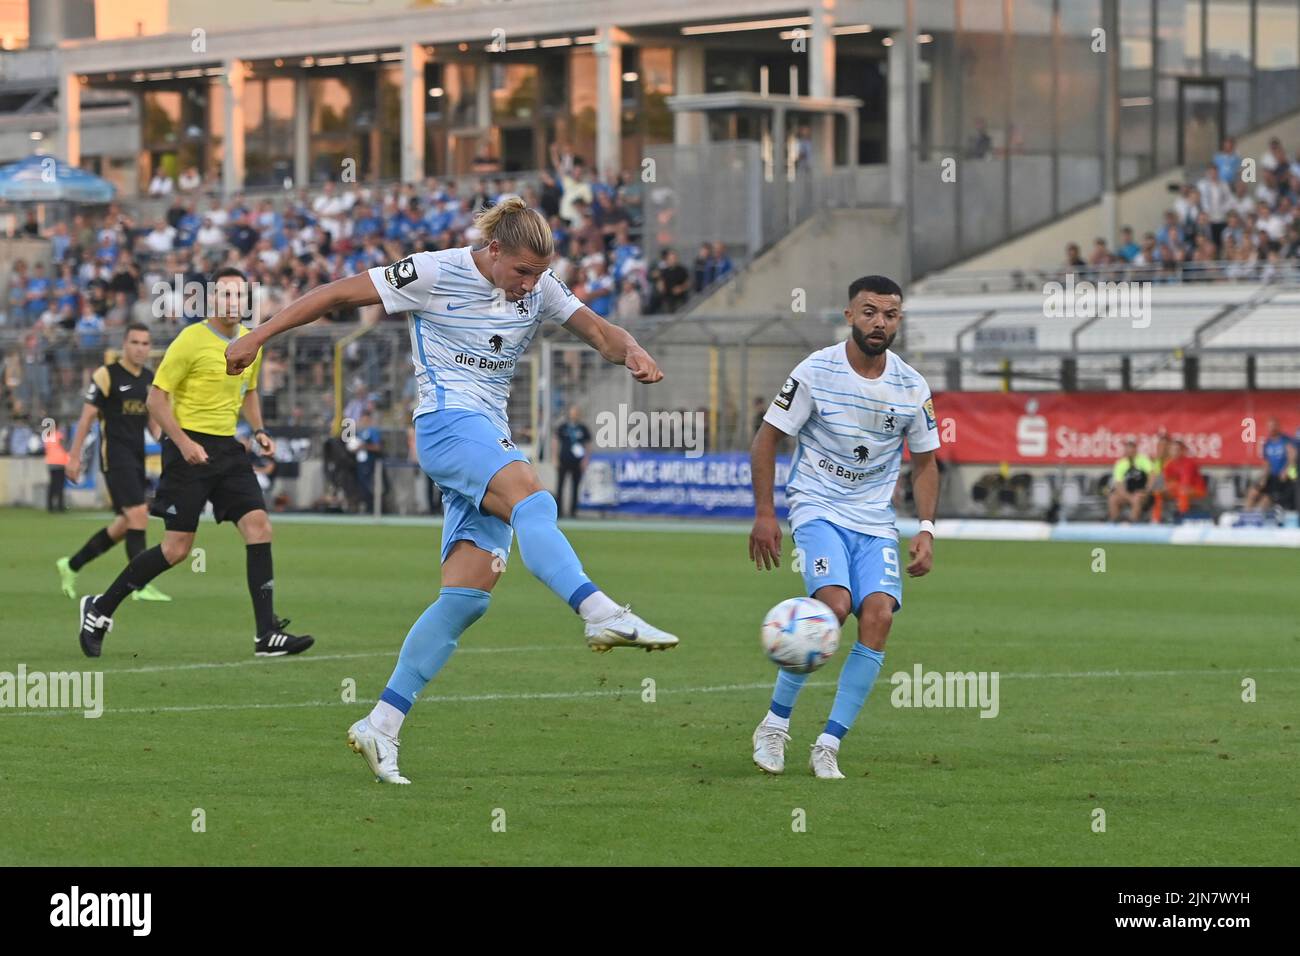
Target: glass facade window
[[1178, 34], [1277, 56], [580, 129], [268, 130], [1137, 92], [1227, 38], [173, 130], [342, 118]]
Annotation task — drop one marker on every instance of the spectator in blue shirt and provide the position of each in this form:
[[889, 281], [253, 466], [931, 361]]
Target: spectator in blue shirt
[[38, 290], [1227, 162], [90, 329], [722, 266], [1276, 486], [1127, 247], [600, 287], [371, 447]]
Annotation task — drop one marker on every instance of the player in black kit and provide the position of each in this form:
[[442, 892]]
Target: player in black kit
[[117, 395]]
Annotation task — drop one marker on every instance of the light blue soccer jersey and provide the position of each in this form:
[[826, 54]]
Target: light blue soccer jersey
[[466, 338], [850, 438]]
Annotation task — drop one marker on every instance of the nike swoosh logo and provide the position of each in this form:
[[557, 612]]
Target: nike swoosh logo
[[827, 412], [124, 388], [452, 308]]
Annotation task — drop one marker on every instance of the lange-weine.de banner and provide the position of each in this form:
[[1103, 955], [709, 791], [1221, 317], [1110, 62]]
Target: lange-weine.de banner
[[651, 483], [1089, 428]]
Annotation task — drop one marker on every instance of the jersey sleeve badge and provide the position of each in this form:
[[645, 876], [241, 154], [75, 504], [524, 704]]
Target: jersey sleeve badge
[[785, 398], [929, 414], [401, 273]]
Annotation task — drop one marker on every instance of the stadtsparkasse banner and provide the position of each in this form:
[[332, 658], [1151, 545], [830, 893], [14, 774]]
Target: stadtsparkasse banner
[[1090, 428]]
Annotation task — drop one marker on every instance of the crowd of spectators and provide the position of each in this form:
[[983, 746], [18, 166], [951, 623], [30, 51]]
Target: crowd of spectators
[[1236, 221], [115, 267]]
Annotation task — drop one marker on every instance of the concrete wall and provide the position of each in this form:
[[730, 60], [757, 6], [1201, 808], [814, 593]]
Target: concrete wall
[[822, 256]]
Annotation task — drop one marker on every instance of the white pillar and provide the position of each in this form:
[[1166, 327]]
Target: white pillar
[[301, 131], [688, 77], [483, 103], [414, 96], [232, 166], [821, 50], [609, 100], [70, 117], [821, 81]]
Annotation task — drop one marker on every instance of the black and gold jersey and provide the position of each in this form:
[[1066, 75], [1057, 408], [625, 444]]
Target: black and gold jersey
[[123, 414]]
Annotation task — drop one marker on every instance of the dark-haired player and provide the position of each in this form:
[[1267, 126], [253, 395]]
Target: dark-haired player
[[117, 396], [197, 406], [851, 406]]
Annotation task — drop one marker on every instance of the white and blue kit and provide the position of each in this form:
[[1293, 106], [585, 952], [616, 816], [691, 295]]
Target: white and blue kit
[[850, 432], [466, 339]]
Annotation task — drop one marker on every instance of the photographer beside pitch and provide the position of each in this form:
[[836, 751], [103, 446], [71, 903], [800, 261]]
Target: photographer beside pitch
[[850, 406], [197, 405]]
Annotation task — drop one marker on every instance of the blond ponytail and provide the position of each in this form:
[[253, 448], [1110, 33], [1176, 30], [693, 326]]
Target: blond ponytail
[[516, 227]]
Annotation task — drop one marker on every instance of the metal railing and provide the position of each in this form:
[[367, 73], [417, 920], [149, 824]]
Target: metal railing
[[1286, 272]]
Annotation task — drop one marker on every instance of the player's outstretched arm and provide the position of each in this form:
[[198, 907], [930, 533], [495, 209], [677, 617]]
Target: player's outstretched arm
[[614, 345], [925, 491], [351, 292], [765, 539]]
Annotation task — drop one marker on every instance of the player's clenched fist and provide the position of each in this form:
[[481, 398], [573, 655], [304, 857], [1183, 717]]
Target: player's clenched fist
[[921, 552], [240, 353], [642, 366], [765, 543]]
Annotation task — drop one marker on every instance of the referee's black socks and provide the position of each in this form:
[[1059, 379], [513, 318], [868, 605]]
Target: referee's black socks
[[99, 543], [261, 586], [134, 542], [146, 566]]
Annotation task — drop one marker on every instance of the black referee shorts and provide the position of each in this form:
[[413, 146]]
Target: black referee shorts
[[227, 480], [126, 486]]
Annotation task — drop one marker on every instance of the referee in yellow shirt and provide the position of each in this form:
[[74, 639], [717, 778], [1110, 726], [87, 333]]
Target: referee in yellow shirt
[[198, 405]]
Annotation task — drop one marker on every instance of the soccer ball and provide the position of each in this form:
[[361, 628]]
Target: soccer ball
[[800, 635]]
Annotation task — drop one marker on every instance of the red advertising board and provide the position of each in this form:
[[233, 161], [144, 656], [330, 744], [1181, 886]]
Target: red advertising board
[[1089, 428]]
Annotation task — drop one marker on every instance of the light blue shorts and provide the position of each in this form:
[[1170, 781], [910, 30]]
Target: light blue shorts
[[461, 451], [861, 563]]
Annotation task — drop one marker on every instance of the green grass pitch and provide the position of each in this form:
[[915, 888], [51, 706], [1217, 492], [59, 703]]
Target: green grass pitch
[[1120, 690]]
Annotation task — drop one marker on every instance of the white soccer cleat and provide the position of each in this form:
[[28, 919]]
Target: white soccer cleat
[[379, 750], [824, 763], [769, 748], [625, 629]]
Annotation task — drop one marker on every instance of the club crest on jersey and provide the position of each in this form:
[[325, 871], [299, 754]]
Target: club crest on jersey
[[821, 567], [495, 344], [522, 308], [929, 413], [505, 443], [401, 273], [891, 422], [785, 398]]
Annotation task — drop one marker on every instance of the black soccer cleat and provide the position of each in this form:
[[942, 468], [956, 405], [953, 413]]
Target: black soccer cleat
[[93, 627], [278, 642]]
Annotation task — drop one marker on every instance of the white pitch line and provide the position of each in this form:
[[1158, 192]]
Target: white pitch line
[[167, 668], [621, 691]]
